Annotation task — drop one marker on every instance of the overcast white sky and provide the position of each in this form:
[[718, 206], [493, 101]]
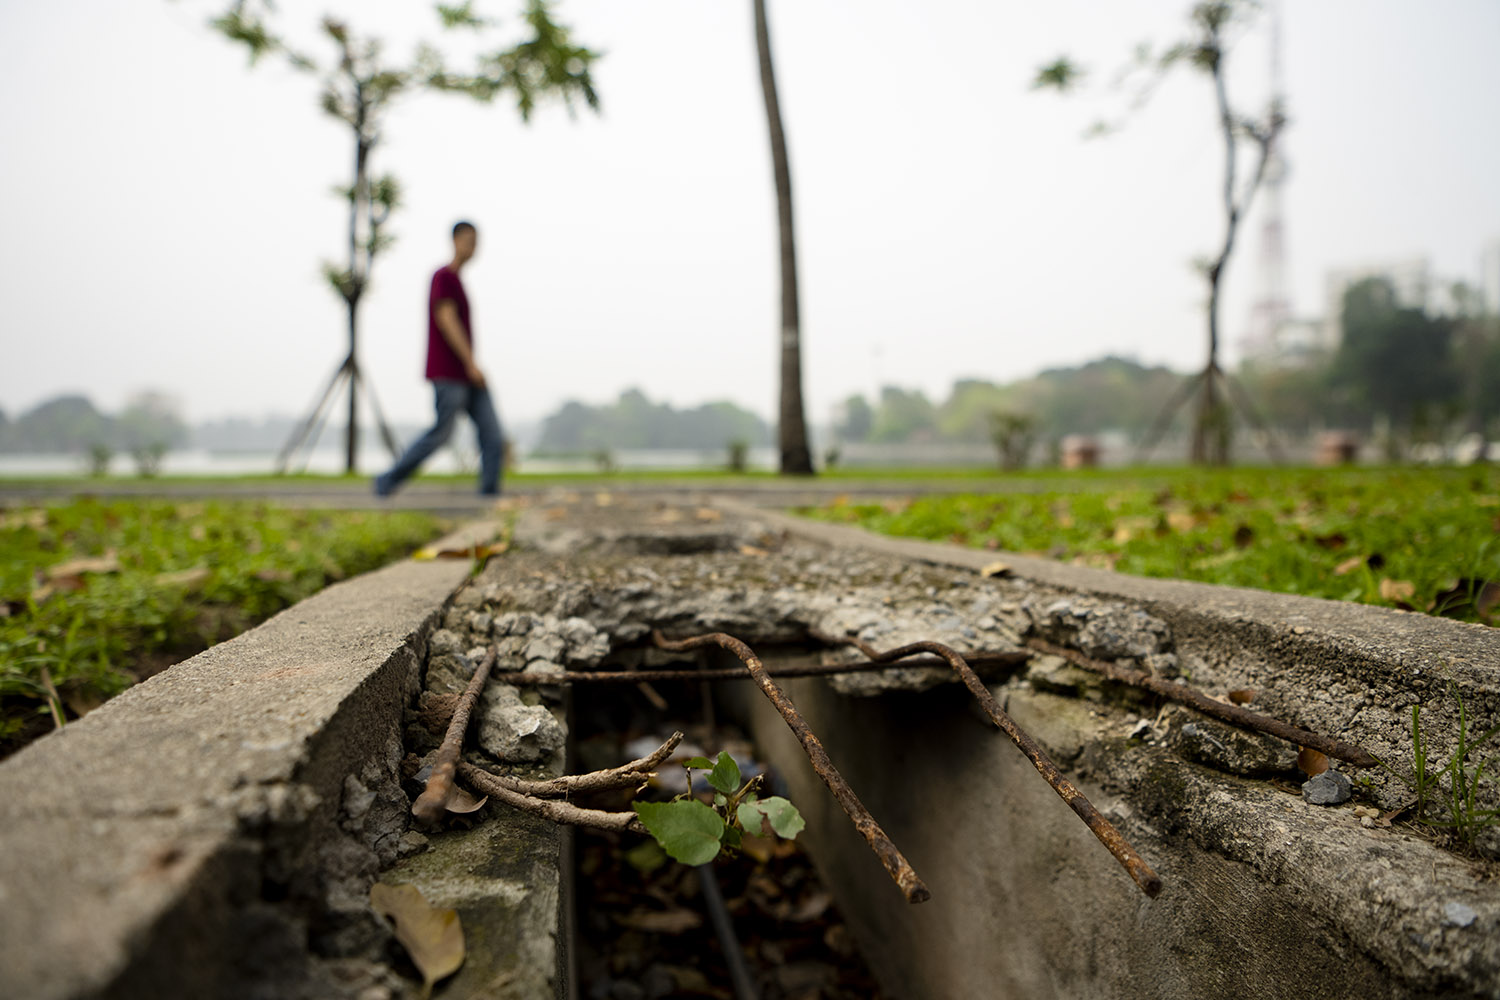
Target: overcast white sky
[[166, 206]]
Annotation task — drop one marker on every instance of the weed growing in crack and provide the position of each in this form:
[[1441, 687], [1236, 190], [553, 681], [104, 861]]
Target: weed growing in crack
[[694, 832], [1454, 785]]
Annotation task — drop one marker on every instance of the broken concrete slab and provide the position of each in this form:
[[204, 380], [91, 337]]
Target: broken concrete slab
[[138, 845]]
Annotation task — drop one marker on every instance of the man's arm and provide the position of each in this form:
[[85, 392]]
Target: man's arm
[[452, 329]]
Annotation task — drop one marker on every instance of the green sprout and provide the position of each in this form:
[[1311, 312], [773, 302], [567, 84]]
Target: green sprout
[[693, 832]]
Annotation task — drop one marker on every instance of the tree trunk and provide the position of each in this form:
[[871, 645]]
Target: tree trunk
[[1212, 426], [356, 282], [796, 458]]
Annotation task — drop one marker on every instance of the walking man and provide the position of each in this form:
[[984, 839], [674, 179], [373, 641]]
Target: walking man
[[457, 383]]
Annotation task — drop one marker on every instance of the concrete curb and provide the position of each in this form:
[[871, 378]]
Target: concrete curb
[[1417, 646], [190, 791]]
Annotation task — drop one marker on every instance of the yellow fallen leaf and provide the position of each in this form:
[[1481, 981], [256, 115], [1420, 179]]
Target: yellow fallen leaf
[[996, 568], [475, 552], [433, 938]]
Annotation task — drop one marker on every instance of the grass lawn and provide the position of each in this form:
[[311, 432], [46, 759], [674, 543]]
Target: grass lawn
[[95, 595], [1419, 538]]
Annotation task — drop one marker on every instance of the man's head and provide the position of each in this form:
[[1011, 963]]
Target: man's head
[[465, 240]]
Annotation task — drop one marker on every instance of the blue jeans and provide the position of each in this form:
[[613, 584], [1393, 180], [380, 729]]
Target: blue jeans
[[452, 397]]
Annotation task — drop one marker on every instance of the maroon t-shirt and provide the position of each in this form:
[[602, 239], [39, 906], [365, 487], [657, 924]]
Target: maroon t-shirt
[[441, 361]]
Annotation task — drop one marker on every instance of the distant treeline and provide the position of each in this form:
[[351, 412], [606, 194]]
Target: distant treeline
[[73, 424], [1413, 375], [633, 421]]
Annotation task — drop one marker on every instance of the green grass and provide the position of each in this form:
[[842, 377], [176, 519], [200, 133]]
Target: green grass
[[165, 579], [1349, 534]]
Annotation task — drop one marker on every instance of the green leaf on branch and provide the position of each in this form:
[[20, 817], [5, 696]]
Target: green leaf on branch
[[702, 762], [688, 830], [725, 776], [781, 815]]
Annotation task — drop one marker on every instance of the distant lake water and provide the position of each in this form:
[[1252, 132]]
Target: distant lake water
[[200, 462]]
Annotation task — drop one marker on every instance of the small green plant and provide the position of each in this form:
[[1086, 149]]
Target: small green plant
[[1459, 797], [693, 832]]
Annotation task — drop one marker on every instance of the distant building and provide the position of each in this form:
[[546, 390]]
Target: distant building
[[1411, 278]]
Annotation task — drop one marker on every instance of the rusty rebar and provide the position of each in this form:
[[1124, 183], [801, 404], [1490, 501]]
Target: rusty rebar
[[1193, 698], [1102, 828], [979, 660], [896, 865], [434, 798]]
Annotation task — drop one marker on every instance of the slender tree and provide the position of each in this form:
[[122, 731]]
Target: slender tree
[[358, 87], [796, 457], [1206, 50]]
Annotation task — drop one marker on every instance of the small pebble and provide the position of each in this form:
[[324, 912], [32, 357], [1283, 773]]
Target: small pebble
[[1458, 915], [1331, 788]]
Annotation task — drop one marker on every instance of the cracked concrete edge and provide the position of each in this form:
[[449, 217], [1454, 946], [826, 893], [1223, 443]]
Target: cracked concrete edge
[[1417, 647], [130, 838]]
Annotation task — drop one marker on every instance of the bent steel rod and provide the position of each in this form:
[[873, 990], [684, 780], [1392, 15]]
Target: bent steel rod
[[1193, 698], [996, 660], [901, 871], [434, 798], [1102, 828]]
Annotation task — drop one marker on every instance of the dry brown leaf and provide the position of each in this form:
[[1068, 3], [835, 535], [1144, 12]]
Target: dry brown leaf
[[673, 921], [1181, 520], [1243, 536], [996, 568], [603, 499], [1336, 540], [1242, 696], [1397, 590], [107, 563], [708, 514], [188, 578], [462, 803], [35, 519], [759, 848], [1310, 762], [1349, 565], [752, 550], [433, 938]]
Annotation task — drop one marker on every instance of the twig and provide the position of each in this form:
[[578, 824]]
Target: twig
[[552, 809], [623, 776], [1193, 698], [978, 661], [896, 865], [434, 798], [1102, 828]]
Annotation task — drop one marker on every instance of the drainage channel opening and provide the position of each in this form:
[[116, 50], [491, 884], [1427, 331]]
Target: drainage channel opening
[[651, 927]]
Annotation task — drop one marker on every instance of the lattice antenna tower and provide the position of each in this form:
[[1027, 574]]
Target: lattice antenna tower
[[1271, 310]]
